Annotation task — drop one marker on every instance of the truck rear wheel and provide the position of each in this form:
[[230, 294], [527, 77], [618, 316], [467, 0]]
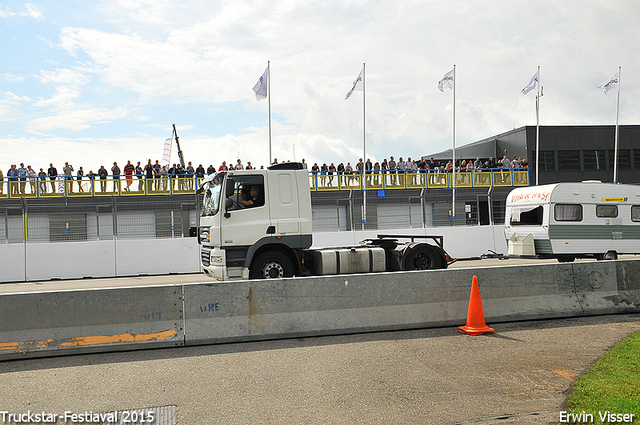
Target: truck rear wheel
[[271, 265], [424, 257]]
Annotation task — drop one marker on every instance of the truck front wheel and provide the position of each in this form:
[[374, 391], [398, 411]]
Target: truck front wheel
[[271, 265]]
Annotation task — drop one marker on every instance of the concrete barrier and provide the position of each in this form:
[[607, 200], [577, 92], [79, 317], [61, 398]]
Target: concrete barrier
[[608, 286], [388, 301], [320, 306], [52, 323], [525, 292]]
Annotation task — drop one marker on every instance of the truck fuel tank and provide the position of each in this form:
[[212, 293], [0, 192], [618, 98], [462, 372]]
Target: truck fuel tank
[[347, 260]]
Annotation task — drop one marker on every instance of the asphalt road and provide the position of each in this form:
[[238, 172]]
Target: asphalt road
[[521, 374]]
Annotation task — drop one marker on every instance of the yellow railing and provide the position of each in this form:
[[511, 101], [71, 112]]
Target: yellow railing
[[86, 187], [112, 186], [322, 182]]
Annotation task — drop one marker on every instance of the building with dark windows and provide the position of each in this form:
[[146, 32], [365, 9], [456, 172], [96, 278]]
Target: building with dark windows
[[567, 153]]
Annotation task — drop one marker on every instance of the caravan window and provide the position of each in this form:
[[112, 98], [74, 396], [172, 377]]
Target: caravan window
[[568, 212], [526, 216], [609, 211], [635, 213]]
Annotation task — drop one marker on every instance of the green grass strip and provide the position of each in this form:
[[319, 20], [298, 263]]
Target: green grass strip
[[612, 385]]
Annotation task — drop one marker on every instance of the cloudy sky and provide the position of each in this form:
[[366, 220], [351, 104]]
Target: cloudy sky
[[92, 82]]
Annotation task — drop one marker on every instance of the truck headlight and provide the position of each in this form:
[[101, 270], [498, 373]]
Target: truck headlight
[[217, 259]]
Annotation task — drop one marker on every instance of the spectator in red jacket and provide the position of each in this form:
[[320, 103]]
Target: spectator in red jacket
[[129, 169]]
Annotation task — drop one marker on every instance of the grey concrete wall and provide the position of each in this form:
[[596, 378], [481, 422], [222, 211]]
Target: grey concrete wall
[[51, 323]]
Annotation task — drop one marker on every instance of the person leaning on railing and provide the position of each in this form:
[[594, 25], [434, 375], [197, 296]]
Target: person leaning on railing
[[129, 169], [31, 175], [148, 170], [190, 173], [115, 171], [156, 175], [341, 177], [79, 177], [42, 180], [103, 173], [52, 172], [22, 173], [164, 175], [68, 176], [139, 173], [12, 178], [92, 178], [348, 169]]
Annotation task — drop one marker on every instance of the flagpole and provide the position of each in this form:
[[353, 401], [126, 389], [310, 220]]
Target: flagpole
[[538, 129], [615, 154], [364, 149], [453, 209], [269, 100]]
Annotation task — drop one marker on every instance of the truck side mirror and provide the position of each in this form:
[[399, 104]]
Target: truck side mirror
[[230, 187]]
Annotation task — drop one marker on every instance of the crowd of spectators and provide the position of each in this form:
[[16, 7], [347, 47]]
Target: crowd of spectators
[[158, 177], [396, 170]]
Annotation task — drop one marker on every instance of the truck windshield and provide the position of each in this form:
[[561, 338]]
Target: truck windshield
[[211, 201]]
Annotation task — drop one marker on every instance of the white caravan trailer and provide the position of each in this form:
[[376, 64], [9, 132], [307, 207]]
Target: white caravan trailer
[[573, 220]]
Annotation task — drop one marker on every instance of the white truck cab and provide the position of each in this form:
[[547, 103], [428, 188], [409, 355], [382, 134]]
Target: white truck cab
[[232, 233], [256, 224]]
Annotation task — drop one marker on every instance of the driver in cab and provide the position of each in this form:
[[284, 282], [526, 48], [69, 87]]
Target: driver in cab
[[252, 198]]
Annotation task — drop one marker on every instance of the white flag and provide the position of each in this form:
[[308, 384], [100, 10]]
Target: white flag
[[166, 152], [447, 81], [357, 85], [261, 86], [611, 84], [533, 84]]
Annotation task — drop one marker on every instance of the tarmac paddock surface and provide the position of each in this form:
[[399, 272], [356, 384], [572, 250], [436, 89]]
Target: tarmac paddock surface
[[521, 374]]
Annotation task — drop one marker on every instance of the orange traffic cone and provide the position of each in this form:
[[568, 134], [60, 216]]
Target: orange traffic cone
[[475, 316]]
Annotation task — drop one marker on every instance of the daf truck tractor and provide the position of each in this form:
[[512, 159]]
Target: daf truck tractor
[[256, 224]]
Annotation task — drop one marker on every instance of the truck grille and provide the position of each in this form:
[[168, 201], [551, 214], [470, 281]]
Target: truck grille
[[205, 254]]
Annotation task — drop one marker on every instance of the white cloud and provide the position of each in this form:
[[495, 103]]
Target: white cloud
[[15, 98], [9, 106], [76, 76], [6, 14], [75, 118], [146, 12], [32, 11], [14, 78], [63, 98]]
